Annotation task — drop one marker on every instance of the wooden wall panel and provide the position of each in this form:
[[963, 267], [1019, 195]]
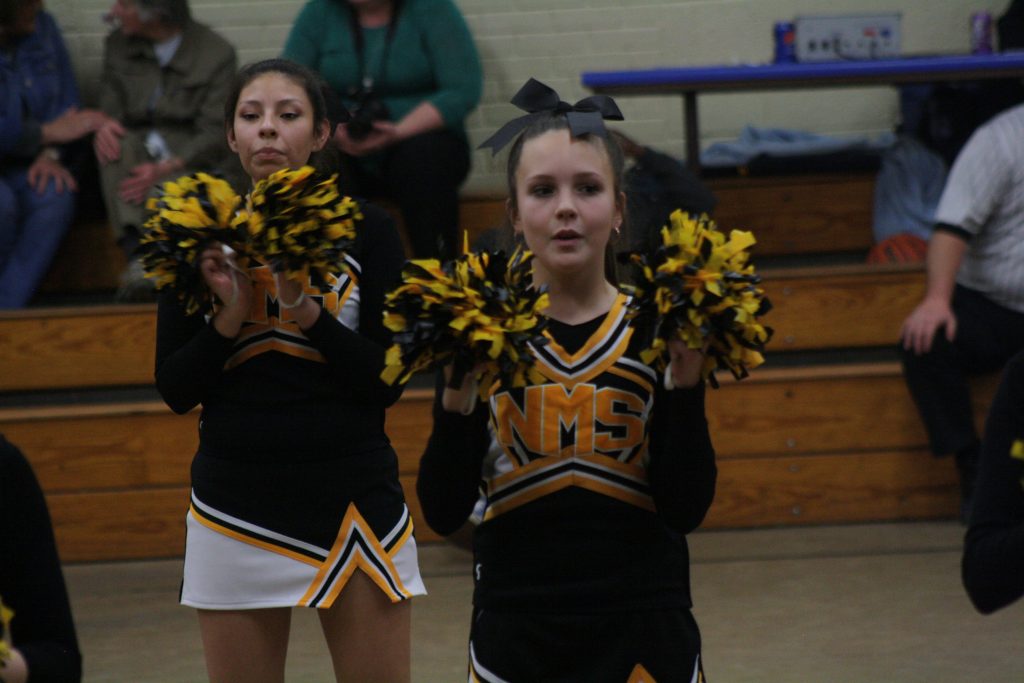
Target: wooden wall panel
[[834, 488], [77, 347], [821, 308], [799, 214], [821, 410], [88, 260], [136, 446], [119, 525], [408, 425]]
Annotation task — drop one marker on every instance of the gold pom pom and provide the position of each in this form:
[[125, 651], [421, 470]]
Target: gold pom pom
[[698, 286], [6, 614], [193, 213], [301, 224], [477, 310]]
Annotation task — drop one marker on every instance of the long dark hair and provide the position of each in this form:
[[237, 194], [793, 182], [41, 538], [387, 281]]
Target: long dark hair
[[545, 124]]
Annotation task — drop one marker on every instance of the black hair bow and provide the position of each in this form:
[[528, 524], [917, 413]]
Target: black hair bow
[[586, 116]]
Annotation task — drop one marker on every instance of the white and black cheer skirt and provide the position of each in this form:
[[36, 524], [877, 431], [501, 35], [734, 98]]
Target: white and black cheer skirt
[[268, 534]]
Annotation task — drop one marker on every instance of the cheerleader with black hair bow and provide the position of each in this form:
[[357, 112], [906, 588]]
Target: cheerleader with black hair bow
[[596, 471]]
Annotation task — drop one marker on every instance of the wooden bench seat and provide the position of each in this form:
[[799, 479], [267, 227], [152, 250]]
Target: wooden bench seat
[[815, 308]]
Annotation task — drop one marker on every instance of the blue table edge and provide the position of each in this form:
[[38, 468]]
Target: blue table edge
[[684, 76]]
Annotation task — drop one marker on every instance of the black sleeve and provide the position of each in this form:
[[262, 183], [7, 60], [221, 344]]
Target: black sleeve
[[993, 560], [190, 355], [682, 469], [448, 483], [357, 359], [954, 230], [31, 581]]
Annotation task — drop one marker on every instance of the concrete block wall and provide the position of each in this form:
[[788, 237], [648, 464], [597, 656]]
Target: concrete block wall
[[556, 40]]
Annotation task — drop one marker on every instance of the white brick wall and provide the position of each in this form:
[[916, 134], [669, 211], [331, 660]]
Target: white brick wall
[[555, 40]]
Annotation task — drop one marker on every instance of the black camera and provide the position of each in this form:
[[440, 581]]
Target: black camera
[[367, 109]]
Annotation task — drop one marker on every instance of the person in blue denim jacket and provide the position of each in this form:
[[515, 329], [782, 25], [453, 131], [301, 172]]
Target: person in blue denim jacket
[[39, 116]]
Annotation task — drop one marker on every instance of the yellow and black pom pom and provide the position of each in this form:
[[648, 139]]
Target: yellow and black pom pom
[[300, 224], [477, 310], [1017, 452], [192, 213], [698, 286], [6, 614]]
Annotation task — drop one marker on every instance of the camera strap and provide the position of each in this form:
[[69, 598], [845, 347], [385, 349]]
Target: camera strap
[[366, 80]]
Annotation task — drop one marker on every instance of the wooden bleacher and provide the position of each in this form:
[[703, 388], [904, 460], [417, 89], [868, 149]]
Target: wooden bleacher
[[824, 432], [799, 215]]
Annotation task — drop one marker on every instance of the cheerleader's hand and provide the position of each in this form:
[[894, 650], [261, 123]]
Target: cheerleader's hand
[[221, 275], [291, 296], [461, 399], [685, 365], [231, 285]]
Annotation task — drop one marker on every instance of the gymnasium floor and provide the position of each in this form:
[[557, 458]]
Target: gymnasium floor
[[880, 603]]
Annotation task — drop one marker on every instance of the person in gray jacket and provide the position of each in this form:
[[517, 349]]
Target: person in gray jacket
[[165, 79]]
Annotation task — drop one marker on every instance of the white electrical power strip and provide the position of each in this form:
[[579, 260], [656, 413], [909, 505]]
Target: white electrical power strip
[[848, 37]]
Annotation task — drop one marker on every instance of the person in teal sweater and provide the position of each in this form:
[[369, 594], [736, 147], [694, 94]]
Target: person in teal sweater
[[409, 72]]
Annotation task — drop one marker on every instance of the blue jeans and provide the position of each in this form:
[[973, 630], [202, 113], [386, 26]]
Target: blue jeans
[[32, 226]]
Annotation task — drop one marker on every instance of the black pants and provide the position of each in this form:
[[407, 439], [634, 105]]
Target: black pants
[[987, 335], [422, 176]]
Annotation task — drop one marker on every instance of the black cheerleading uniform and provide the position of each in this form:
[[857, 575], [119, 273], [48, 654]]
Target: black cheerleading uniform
[[31, 581], [295, 484], [993, 559], [581, 564]]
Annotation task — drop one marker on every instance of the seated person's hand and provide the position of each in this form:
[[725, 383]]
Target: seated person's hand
[[384, 134], [73, 124], [923, 323], [107, 141], [94, 119], [44, 169], [135, 188]]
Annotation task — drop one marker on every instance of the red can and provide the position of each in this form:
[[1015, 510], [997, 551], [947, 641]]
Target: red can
[[785, 41], [981, 33]]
